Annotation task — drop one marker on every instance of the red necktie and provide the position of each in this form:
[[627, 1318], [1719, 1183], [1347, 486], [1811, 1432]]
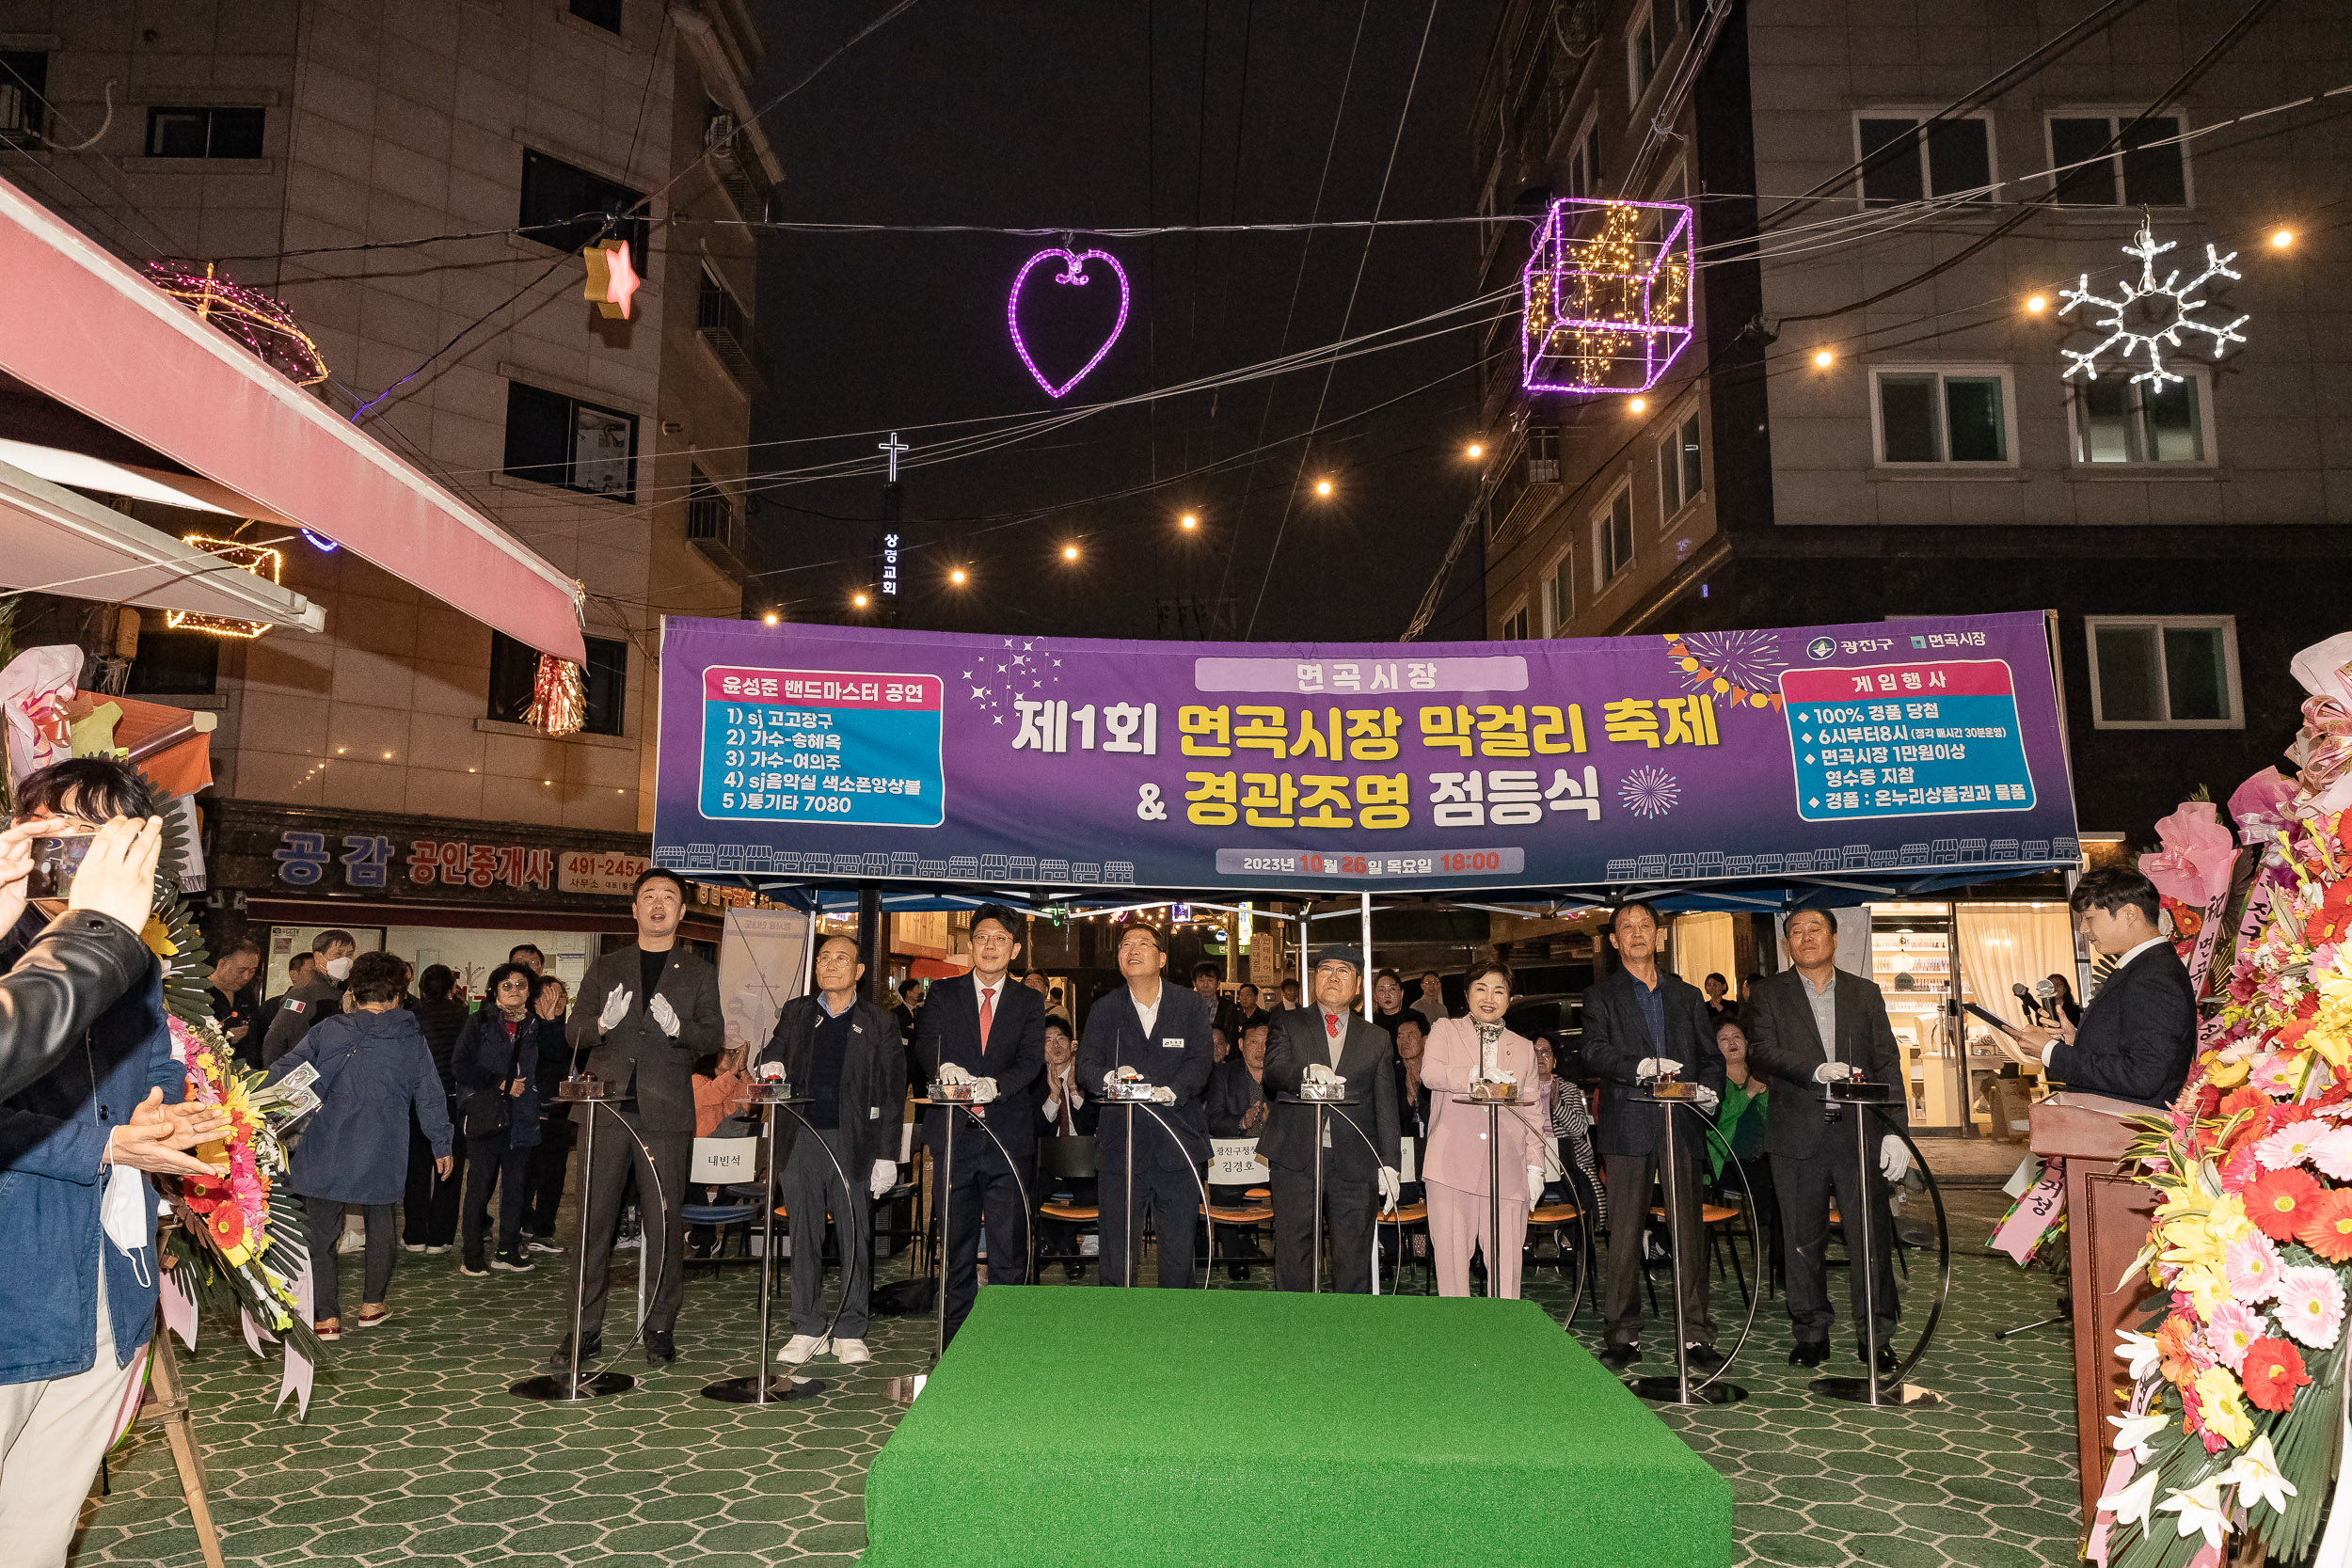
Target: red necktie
[[1332, 1024], [1065, 1090], [988, 1015]]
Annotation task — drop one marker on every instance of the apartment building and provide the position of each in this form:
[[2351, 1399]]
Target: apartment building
[[379, 775]]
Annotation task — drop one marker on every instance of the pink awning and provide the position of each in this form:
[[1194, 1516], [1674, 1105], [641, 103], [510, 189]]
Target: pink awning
[[97, 338]]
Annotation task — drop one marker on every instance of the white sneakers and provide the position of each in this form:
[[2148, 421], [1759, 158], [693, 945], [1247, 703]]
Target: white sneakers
[[803, 1348]]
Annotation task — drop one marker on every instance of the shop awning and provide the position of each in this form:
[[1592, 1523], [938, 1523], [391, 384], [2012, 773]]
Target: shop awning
[[101, 341]]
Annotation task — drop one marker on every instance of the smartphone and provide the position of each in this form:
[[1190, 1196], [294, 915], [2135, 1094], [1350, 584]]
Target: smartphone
[[55, 861]]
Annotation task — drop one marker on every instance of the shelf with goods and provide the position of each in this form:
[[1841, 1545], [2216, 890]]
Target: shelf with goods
[[1911, 959]]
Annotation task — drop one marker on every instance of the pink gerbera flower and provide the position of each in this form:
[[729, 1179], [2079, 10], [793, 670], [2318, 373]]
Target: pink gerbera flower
[[2310, 1306], [2289, 1146], [2251, 1267], [2233, 1332], [2331, 1151]]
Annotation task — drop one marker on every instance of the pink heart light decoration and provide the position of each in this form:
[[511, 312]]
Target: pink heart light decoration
[[1073, 271]]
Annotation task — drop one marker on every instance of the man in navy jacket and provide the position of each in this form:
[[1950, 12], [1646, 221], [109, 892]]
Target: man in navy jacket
[[1162, 1034], [78, 1218], [986, 1030], [2138, 1035]]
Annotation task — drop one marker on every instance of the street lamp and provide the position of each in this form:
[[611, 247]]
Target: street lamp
[[1189, 521], [1323, 488], [1069, 552]]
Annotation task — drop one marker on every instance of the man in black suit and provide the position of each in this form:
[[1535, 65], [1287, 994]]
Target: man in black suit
[[2138, 1035], [1161, 1034], [1064, 1110], [644, 1014], [986, 1029], [1641, 1025], [1807, 1027], [1324, 1041], [844, 1052]]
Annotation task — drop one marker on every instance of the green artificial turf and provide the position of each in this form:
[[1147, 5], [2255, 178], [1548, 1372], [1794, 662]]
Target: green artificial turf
[[1238, 1427]]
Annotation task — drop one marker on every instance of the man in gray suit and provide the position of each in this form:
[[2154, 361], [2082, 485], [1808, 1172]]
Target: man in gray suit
[[1807, 1027], [1324, 1040], [643, 1013], [1642, 1023]]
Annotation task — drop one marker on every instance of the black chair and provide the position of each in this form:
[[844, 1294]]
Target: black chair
[[1065, 1160]]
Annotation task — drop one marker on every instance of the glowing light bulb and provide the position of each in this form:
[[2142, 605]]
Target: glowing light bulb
[[1824, 358], [1069, 552], [1474, 450], [2038, 304], [770, 618], [1323, 488], [1638, 405], [2282, 239], [1188, 520], [956, 576], [858, 601]]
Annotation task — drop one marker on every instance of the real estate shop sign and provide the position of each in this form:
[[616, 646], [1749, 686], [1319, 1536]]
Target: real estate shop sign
[[832, 753]]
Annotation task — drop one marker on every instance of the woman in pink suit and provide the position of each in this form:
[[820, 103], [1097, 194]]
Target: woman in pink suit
[[1463, 1051]]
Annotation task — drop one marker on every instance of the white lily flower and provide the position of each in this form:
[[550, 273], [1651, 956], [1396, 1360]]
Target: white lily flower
[[2257, 1479], [2200, 1510], [2140, 1354], [2132, 1433], [2130, 1506]]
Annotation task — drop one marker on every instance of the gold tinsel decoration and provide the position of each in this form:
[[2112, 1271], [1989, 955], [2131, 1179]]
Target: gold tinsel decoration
[[559, 700]]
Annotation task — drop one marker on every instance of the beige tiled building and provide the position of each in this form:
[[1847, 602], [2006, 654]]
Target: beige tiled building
[[277, 138]]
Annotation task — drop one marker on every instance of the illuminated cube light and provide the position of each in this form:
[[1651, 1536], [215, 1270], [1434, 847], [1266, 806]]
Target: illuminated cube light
[[1606, 296]]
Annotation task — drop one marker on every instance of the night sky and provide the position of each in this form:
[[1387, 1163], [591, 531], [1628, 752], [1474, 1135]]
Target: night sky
[[1137, 113]]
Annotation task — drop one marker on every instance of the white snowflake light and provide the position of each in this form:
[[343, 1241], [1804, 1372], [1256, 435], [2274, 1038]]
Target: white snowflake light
[[2148, 313]]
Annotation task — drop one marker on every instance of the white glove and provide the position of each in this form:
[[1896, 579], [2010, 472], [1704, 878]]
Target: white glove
[[1391, 1188], [1832, 1072], [983, 1090], [884, 1178], [1535, 1186], [615, 1009], [1656, 1067], [1894, 1159], [950, 1073], [664, 1016], [1315, 1072], [1163, 1096], [1110, 1082], [1708, 1098]]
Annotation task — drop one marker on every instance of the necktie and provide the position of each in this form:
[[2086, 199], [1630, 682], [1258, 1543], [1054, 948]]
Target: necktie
[[1332, 1024], [988, 1014], [1066, 1089]]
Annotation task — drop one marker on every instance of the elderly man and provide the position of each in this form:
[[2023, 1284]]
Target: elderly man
[[233, 968], [1641, 1025], [1325, 1042], [1807, 1027], [1160, 1035], [842, 1052]]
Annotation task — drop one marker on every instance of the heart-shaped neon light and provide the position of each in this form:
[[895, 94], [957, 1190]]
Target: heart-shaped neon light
[[1073, 271]]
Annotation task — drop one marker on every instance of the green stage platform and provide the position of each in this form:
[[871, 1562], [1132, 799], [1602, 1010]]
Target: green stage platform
[[1122, 1428]]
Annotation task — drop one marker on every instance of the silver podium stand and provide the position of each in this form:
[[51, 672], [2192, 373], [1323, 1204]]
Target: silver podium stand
[[1855, 1098], [1494, 1177], [764, 1388], [566, 1386], [1667, 1093], [1316, 1257]]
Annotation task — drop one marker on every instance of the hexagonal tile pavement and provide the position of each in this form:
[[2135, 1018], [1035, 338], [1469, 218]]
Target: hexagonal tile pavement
[[415, 1451]]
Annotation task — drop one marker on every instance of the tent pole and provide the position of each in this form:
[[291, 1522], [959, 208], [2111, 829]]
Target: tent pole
[[1367, 944], [873, 942]]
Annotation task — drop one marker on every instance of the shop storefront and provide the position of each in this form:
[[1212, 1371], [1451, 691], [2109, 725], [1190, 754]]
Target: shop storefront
[[431, 889], [1929, 957]]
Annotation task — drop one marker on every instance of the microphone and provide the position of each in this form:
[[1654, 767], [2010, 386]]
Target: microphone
[[2048, 989], [2026, 999]]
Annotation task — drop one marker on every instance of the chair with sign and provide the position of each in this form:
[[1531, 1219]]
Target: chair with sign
[[726, 1178], [1060, 1162]]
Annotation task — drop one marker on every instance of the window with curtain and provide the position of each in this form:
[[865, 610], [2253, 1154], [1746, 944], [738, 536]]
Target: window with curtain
[[1703, 945], [2007, 944]]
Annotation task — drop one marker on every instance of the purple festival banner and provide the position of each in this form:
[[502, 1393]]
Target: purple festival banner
[[834, 754]]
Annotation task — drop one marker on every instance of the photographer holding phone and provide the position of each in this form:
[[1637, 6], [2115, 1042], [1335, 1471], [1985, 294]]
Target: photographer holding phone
[[77, 1138]]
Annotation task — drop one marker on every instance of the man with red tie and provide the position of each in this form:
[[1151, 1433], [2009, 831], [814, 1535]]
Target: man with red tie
[[988, 1030], [1327, 1042]]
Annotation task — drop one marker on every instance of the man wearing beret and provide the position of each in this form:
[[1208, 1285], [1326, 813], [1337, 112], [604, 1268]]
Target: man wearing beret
[[1323, 1041]]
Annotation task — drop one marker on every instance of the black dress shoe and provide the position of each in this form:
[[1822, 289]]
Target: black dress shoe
[[1886, 1360], [1809, 1353], [562, 1360], [1704, 1359], [661, 1348], [1618, 1357]]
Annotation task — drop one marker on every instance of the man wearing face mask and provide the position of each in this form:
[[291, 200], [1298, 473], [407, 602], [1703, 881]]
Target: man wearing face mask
[[79, 1219], [322, 994]]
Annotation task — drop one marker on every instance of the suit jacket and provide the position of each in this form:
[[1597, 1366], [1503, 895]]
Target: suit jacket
[[872, 1103], [1785, 1046], [1230, 1093], [635, 1048], [1367, 1055], [1457, 1134], [1616, 1037], [298, 1012], [2139, 1036], [1177, 1054], [1082, 1120], [948, 1030]]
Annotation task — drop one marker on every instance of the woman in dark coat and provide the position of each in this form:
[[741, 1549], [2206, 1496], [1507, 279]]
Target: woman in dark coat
[[428, 1209], [374, 1071], [496, 1066]]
